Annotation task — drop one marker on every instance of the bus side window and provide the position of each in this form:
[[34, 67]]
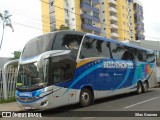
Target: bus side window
[[141, 55], [117, 51], [150, 57], [94, 48]]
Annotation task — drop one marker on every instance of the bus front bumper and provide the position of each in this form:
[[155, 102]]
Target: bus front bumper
[[38, 104]]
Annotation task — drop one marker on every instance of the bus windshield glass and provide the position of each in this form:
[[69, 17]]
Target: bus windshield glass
[[67, 41], [60, 41], [30, 77], [37, 46]]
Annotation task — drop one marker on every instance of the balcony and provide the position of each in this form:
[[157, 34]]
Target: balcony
[[130, 1], [140, 37], [136, 6], [113, 18], [140, 16], [52, 19], [114, 34], [112, 2], [114, 26], [131, 34], [139, 29], [139, 23], [130, 27], [112, 10], [87, 7], [85, 16], [90, 27], [51, 9], [53, 27], [95, 2]]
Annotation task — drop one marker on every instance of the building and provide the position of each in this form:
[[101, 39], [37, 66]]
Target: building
[[136, 20], [116, 19]]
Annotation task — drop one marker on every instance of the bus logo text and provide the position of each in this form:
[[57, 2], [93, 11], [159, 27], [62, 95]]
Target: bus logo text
[[117, 65]]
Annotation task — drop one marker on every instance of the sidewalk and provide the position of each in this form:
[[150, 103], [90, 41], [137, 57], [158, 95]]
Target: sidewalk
[[13, 106]]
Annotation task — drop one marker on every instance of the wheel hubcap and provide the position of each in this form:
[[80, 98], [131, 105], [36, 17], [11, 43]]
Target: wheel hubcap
[[85, 97], [145, 86]]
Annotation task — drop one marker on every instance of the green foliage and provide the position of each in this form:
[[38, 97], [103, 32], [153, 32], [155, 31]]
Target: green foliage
[[13, 99], [16, 55], [63, 27]]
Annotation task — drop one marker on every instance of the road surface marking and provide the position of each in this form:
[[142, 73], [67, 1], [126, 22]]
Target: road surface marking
[[141, 102]]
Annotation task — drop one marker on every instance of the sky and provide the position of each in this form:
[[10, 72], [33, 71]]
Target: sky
[[26, 20]]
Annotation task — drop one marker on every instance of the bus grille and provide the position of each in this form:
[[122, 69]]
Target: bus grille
[[27, 99]]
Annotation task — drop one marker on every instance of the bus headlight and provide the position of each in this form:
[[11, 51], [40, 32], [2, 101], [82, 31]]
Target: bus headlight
[[45, 93]]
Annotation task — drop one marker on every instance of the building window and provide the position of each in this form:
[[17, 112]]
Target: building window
[[87, 21], [96, 15]]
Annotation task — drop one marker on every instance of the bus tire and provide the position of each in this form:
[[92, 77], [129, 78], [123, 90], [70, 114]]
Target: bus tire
[[145, 86], [85, 97], [139, 88]]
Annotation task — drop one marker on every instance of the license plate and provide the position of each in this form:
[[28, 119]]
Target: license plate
[[27, 107]]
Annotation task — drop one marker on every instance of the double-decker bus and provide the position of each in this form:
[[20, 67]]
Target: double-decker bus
[[70, 67]]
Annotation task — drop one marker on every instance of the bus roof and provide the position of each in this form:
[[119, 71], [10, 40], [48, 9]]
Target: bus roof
[[98, 37]]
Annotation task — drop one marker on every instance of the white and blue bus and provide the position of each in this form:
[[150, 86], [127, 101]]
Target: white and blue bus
[[69, 67]]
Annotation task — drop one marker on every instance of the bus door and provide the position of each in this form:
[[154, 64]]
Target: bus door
[[57, 74]]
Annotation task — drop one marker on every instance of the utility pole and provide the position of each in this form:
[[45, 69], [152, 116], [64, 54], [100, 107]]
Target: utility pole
[[5, 17]]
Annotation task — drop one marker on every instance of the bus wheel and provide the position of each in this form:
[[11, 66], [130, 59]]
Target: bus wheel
[[139, 88], [145, 87], [85, 97]]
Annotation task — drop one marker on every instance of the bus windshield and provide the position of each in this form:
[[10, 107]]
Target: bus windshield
[[37, 46], [31, 77], [67, 41], [60, 41]]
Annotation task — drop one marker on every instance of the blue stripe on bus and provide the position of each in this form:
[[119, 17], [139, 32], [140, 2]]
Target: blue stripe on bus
[[125, 79], [83, 75]]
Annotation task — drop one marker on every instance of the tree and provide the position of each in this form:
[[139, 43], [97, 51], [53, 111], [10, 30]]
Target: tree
[[16, 54], [63, 27], [5, 17]]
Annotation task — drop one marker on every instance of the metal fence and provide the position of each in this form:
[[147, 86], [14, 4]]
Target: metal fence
[[8, 86]]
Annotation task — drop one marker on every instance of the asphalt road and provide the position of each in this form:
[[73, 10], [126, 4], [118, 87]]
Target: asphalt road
[[124, 105]]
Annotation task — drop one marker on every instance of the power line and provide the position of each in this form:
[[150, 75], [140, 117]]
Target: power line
[[44, 16], [21, 24], [80, 15]]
